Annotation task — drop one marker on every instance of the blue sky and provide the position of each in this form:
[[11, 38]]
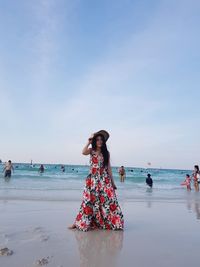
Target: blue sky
[[69, 68]]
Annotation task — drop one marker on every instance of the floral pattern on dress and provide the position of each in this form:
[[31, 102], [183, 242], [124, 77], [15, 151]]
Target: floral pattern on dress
[[99, 208]]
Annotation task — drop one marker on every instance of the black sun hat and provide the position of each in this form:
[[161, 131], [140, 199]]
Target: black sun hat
[[104, 133]]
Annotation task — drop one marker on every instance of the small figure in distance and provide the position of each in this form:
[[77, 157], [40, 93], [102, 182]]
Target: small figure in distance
[[62, 168], [187, 182], [122, 174], [41, 169], [196, 177], [8, 168], [149, 180]]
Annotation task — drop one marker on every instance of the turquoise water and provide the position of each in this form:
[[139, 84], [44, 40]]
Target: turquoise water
[[53, 184]]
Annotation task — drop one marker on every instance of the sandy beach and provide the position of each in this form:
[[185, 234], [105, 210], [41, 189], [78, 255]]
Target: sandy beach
[[157, 233]]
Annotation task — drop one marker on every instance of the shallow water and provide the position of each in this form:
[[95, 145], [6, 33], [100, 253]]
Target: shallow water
[[53, 184]]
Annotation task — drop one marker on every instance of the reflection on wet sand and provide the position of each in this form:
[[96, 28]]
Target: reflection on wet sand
[[99, 248], [149, 195], [7, 179], [193, 204], [197, 209]]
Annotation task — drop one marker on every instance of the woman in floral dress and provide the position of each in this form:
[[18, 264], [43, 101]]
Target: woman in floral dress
[[99, 208]]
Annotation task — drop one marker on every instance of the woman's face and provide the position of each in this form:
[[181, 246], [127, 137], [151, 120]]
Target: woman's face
[[99, 141]]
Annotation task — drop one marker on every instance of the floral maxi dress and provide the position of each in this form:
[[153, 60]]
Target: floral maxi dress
[[99, 208]]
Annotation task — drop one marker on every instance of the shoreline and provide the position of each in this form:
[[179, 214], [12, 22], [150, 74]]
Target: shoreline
[[69, 195]]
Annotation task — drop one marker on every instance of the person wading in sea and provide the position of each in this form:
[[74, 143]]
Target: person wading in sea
[[8, 169], [122, 174]]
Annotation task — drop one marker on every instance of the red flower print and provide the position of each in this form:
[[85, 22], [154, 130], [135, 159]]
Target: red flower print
[[79, 216], [106, 180], [114, 220], [109, 192], [89, 182], [92, 198], [95, 160], [86, 195], [100, 221], [107, 226], [83, 225], [113, 207], [102, 199], [88, 210], [94, 170]]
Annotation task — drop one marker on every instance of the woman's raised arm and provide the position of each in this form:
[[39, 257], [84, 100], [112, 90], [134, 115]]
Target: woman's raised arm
[[87, 150]]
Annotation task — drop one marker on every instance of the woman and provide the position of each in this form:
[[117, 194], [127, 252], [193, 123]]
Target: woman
[[122, 174], [196, 177], [99, 208]]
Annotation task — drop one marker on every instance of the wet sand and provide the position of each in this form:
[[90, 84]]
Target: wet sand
[[157, 233]]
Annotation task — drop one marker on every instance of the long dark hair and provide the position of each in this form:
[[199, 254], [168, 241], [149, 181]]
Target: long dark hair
[[104, 149], [196, 167]]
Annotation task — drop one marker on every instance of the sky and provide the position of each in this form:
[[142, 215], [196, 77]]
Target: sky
[[69, 68]]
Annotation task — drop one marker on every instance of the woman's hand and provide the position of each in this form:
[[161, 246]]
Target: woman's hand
[[90, 139], [86, 150]]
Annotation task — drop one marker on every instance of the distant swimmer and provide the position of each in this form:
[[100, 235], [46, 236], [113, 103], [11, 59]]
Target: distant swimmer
[[62, 168], [8, 169], [31, 164], [149, 180], [187, 182], [122, 174], [41, 169]]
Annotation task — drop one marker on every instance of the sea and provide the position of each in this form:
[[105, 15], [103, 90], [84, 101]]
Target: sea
[[27, 183]]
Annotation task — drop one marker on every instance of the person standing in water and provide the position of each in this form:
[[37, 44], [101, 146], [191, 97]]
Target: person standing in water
[[149, 180], [8, 168], [41, 169], [122, 174], [196, 177], [62, 168], [99, 208], [187, 182]]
